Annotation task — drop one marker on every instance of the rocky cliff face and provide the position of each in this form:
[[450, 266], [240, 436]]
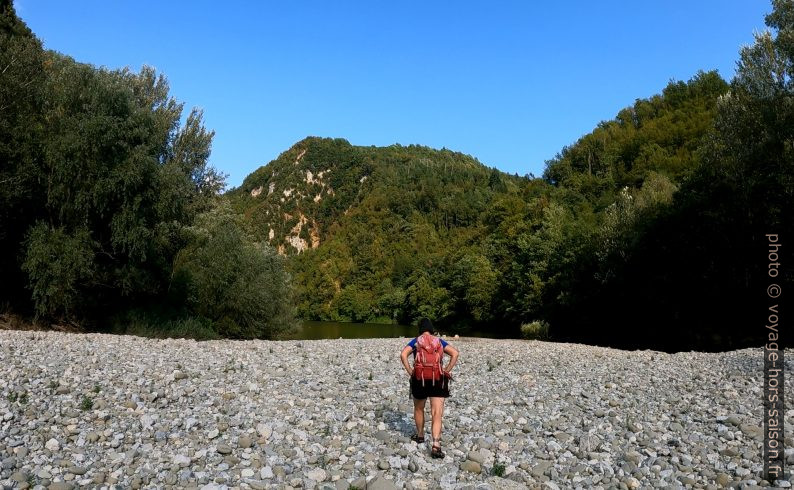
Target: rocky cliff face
[[294, 201]]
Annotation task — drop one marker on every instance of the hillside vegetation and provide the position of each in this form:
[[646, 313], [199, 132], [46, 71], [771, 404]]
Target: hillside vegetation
[[652, 230], [374, 234], [110, 214], [395, 233]]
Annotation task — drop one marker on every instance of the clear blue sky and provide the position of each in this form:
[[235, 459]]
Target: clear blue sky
[[510, 83]]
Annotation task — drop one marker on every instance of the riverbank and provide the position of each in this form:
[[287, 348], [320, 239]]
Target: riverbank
[[93, 410]]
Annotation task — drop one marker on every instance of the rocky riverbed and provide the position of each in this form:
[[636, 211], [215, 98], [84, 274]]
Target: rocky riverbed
[[103, 411]]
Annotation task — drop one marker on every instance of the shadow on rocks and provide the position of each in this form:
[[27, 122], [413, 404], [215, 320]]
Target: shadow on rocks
[[398, 422]]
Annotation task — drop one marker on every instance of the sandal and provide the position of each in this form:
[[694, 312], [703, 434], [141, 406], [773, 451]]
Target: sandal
[[417, 438], [435, 451]]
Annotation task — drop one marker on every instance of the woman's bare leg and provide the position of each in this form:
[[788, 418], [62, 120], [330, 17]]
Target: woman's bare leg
[[436, 412], [419, 417]]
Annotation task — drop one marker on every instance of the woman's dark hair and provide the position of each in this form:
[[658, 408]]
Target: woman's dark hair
[[425, 325]]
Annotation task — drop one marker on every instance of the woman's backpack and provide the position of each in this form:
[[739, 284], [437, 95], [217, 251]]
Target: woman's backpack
[[427, 361]]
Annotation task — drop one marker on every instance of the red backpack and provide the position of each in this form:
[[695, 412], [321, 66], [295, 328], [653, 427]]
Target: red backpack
[[427, 361]]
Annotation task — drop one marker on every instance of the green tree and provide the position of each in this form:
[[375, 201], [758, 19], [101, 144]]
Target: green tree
[[22, 81], [424, 299], [241, 286], [58, 265], [474, 282]]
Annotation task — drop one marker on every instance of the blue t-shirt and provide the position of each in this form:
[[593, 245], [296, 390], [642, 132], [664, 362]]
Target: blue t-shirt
[[412, 345]]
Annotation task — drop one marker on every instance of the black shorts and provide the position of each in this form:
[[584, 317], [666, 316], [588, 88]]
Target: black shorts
[[439, 388]]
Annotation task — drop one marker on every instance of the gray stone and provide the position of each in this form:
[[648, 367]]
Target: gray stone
[[380, 483], [633, 457], [476, 456], [540, 468], [733, 420], [9, 463], [19, 476], [729, 452], [471, 466], [181, 461], [317, 474], [61, 485], [752, 431]]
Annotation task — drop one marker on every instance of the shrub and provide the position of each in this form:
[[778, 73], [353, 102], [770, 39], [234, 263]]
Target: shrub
[[163, 324], [57, 262], [86, 403], [538, 330], [242, 287]]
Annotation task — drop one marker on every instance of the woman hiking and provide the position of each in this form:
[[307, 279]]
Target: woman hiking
[[429, 379]]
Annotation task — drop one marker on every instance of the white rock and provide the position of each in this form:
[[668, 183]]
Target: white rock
[[181, 460], [146, 421], [317, 474], [53, 445], [264, 430]]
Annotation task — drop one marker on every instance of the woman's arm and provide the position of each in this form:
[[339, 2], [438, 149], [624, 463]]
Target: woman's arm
[[404, 359], [453, 357]]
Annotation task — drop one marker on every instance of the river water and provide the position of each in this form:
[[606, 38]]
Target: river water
[[314, 330]]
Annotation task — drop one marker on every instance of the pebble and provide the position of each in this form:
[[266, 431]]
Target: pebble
[[229, 414], [317, 474], [476, 456], [723, 479], [61, 485], [471, 466]]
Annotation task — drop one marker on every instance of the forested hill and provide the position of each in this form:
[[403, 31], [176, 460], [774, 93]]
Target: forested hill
[[295, 201], [394, 233], [662, 228], [371, 228]]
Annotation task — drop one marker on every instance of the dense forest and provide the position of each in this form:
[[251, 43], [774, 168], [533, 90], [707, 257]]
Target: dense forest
[[648, 231], [109, 210]]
